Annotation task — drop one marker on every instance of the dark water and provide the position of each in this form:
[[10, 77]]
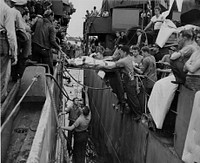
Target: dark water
[[94, 152]]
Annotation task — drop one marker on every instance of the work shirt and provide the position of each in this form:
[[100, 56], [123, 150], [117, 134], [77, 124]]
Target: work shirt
[[74, 112], [157, 25], [44, 34], [149, 69], [18, 19], [7, 23], [82, 123]]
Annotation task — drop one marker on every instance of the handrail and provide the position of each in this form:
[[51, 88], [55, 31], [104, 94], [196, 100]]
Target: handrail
[[19, 102]]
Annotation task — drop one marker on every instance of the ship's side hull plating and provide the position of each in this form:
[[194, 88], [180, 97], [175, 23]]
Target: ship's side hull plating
[[126, 140]]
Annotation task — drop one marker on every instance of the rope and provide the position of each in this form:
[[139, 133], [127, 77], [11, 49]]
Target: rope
[[145, 98], [16, 108], [145, 76], [78, 80], [131, 39], [106, 133], [143, 85], [84, 84]]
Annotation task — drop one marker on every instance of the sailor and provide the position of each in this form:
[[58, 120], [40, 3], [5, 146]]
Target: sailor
[[148, 69], [192, 66], [94, 12], [126, 63], [157, 20], [123, 38], [23, 40], [187, 47], [80, 127], [141, 38], [44, 39], [74, 112], [8, 45], [135, 52], [198, 37]]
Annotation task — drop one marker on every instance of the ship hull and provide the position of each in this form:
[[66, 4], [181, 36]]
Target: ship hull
[[127, 141]]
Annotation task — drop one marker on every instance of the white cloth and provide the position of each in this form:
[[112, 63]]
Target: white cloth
[[191, 151], [167, 28], [157, 25], [179, 4], [65, 2], [89, 61], [188, 26], [161, 98], [101, 74]]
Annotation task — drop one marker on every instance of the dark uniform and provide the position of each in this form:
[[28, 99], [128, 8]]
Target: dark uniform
[[44, 39], [130, 83]]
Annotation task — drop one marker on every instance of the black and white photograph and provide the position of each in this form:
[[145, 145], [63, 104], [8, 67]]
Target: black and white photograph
[[100, 81]]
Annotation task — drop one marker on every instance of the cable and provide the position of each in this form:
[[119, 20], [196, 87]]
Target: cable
[[131, 39], [143, 85], [145, 98], [78, 79], [150, 79], [84, 84], [63, 92]]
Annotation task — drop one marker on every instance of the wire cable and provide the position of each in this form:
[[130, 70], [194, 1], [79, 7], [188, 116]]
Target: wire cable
[[84, 84], [63, 92]]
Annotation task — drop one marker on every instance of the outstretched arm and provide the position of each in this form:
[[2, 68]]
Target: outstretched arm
[[192, 68], [149, 25], [86, 96], [69, 128]]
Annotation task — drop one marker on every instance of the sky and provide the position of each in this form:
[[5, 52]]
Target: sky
[[75, 28]]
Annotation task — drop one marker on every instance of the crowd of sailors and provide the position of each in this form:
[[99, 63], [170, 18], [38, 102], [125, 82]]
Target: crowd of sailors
[[135, 70], [29, 34], [140, 68]]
